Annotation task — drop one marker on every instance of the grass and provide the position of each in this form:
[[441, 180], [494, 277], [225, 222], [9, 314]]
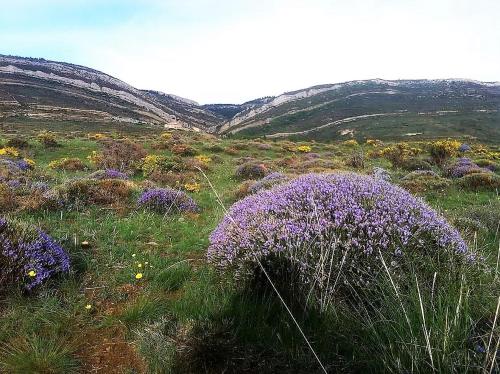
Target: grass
[[182, 317]]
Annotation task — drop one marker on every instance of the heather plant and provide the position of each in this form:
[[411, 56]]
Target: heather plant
[[463, 166], [28, 256], [251, 170], [464, 147], [325, 227], [167, 200], [488, 164]]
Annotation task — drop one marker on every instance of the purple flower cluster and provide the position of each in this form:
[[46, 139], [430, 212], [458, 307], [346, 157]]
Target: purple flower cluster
[[28, 256], [464, 166], [109, 174], [464, 147], [317, 217], [167, 200], [267, 182]]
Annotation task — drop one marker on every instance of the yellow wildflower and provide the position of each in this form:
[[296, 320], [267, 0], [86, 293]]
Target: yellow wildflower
[[138, 276], [203, 158], [32, 273], [304, 148], [9, 151], [88, 306], [192, 187]]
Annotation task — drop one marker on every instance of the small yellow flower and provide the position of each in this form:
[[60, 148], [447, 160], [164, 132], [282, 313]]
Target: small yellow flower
[[138, 276], [203, 158], [32, 273], [304, 148], [88, 306], [139, 265], [192, 187]]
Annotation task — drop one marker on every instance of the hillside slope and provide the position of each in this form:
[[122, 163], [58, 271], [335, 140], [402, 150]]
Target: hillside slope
[[41, 89], [387, 108]]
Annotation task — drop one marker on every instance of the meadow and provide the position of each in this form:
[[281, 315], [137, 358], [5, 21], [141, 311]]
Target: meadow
[[127, 218]]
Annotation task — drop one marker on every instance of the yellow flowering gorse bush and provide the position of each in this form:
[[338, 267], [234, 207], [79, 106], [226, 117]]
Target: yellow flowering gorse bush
[[9, 151], [304, 148]]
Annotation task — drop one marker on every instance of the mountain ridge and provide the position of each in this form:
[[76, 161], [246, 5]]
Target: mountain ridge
[[37, 88]]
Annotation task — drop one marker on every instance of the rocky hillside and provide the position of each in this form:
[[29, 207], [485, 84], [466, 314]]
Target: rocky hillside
[[380, 107], [41, 89]]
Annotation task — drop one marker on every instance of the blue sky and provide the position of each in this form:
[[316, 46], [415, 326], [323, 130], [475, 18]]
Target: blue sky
[[237, 50]]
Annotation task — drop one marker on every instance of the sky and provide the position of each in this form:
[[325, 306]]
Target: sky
[[231, 51]]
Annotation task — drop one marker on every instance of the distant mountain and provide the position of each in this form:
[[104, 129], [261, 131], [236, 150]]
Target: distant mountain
[[42, 89], [382, 108], [228, 111], [46, 90]]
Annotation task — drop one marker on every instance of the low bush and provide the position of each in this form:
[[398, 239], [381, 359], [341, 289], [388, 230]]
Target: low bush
[[123, 155], [183, 150], [442, 150], [167, 200], [337, 224], [48, 139], [420, 181], [480, 181], [356, 160], [20, 143], [251, 170], [463, 166], [67, 164], [28, 256], [412, 164], [81, 192]]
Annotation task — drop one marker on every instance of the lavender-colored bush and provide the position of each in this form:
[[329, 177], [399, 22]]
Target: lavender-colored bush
[[267, 182], [108, 174], [28, 256], [325, 226], [464, 166], [464, 148], [167, 200]]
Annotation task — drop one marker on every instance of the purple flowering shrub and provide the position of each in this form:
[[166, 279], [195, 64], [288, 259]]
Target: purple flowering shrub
[[329, 225], [464, 147], [464, 166], [167, 200], [28, 256], [267, 182]]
